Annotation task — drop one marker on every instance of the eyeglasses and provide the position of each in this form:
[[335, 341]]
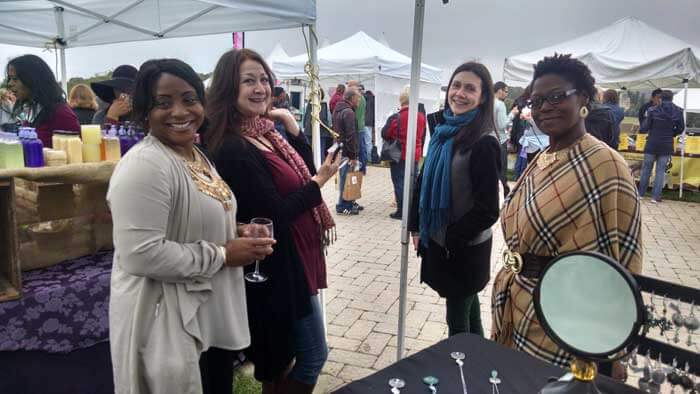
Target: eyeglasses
[[553, 99]]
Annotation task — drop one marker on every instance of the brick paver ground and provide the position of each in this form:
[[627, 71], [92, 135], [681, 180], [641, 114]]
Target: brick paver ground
[[363, 279]]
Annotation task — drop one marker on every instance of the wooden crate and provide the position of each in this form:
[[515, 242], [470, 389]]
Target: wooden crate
[[61, 221], [10, 272]]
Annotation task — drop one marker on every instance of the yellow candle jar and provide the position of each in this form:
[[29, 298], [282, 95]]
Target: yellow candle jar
[[112, 149], [91, 153], [91, 133]]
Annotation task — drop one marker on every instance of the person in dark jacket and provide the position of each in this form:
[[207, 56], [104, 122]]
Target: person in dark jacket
[[345, 124], [274, 178], [600, 123], [116, 92], [326, 138], [612, 100], [663, 123], [655, 100], [456, 198], [83, 102]]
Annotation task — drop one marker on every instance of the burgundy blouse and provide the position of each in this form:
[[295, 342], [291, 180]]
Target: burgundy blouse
[[62, 118], [305, 230]]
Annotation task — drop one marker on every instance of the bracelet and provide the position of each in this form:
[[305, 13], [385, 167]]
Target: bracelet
[[222, 249]]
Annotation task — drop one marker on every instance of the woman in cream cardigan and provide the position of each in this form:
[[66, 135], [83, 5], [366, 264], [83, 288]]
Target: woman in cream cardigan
[[177, 302]]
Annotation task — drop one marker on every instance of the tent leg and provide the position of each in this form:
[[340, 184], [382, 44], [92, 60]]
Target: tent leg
[[61, 32], [683, 136], [416, 54], [316, 104]]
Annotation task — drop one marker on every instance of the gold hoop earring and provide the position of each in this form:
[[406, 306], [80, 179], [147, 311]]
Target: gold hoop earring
[[583, 112]]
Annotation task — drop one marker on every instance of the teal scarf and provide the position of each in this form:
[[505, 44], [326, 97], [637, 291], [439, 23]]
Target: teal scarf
[[436, 189]]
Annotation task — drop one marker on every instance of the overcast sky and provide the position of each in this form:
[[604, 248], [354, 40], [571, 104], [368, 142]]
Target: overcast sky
[[489, 30]]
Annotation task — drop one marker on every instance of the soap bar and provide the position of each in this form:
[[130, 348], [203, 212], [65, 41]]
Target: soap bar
[[54, 158], [74, 148], [112, 149]]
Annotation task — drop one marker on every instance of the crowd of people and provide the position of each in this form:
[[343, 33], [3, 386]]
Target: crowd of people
[[180, 309]]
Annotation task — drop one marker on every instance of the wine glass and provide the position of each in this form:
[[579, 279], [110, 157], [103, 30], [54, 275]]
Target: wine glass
[[260, 228]]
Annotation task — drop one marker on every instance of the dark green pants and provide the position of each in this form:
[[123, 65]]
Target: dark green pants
[[464, 315]]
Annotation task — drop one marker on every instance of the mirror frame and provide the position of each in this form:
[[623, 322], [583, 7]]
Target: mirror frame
[[636, 292]]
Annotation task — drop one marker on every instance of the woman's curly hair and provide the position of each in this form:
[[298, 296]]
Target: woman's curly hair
[[572, 70]]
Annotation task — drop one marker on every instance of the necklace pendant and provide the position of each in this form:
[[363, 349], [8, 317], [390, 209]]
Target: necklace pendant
[[546, 159]]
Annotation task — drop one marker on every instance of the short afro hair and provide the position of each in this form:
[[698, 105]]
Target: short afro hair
[[572, 70]]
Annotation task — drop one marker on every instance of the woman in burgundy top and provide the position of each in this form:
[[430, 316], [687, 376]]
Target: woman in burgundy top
[[40, 101], [274, 178]]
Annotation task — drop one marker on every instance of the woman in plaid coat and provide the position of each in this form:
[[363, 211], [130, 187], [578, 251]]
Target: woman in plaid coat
[[576, 195]]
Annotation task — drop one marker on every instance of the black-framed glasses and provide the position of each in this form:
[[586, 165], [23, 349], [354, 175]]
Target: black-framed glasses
[[553, 99]]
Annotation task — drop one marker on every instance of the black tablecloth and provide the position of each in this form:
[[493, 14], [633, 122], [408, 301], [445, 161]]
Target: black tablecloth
[[519, 372]]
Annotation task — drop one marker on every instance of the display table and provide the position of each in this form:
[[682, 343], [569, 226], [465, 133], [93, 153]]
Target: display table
[[519, 372], [55, 338]]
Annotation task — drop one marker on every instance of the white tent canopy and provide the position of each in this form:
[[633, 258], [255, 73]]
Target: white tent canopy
[[62, 24], [277, 54], [693, 104], [35, 23], [379, 68], [628, 53]]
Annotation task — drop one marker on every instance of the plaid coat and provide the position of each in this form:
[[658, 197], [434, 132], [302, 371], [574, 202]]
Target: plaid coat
[[586, 200]]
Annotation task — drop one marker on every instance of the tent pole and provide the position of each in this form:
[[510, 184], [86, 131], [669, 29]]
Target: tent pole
[[683, 137], [416, 54], [61, 31], [316, 138]]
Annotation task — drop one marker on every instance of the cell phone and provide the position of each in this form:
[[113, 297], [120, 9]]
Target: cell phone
[[335, 149]]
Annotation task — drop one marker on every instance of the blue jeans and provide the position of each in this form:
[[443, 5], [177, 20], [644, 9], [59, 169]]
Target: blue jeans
[[520, 166], [659, 178], [398, 171], [343, 204], [366, 137], [311, 348], [362, 137]]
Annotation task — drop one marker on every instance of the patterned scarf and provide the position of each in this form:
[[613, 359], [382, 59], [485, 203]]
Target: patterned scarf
[[261, 127], [436, 190]]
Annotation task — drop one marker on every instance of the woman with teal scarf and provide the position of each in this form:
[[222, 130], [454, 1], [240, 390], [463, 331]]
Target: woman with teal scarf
[[456, 198]]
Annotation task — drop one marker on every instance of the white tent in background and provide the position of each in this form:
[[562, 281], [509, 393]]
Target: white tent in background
[[379, 68], [277, 54], [78, 23], [629, 53], [693, 104]]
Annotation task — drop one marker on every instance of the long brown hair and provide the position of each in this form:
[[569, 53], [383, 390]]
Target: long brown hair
[[483, 123], [81, 96], [224, 118]]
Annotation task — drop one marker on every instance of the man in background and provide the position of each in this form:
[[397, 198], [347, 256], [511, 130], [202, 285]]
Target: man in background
[[502, 120], [655, 100], [362, 130], [279, 100], [345, 124]]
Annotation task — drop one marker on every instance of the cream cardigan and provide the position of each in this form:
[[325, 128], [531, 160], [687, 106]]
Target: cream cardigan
[[168, 276]]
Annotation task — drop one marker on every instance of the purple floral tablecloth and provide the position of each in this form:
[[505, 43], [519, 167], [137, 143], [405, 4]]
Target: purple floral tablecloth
[[63, 308]]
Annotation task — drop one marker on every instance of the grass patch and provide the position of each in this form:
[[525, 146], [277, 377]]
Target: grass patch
[[245, 384], [688, 195]]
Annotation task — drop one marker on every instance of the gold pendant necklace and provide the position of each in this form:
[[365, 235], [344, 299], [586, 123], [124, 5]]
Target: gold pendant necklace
[[210, 184], [546, 159]]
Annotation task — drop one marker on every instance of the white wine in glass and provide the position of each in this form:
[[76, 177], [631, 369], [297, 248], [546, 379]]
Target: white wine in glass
[[260, 228]]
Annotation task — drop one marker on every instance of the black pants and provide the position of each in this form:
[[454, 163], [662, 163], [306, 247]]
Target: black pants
[[216, 369], [504, 168]]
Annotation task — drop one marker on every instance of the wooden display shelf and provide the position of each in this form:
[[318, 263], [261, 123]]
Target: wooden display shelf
[[49, 215]]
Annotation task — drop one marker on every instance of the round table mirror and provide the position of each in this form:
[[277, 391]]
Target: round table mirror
[[589, 304]]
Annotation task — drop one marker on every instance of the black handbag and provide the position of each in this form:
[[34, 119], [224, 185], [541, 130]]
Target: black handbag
[[391, 149]]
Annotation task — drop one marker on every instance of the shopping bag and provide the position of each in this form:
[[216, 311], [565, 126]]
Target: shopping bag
[[353, 186]]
